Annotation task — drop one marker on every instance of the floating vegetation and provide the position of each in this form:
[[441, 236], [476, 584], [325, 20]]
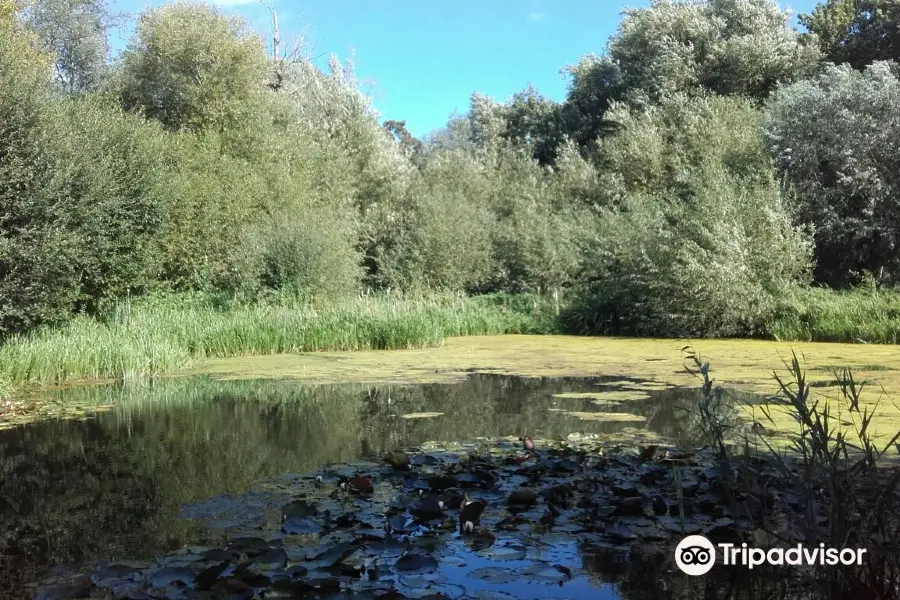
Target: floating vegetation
[[422, 415], [650, 386], [15, 412], [605, 416], [631, 364], [604, 397]]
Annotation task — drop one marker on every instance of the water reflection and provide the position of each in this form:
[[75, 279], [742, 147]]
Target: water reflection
[[111, 487]]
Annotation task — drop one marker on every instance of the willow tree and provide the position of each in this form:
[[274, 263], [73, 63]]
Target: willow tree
[[730, 47], [191, 67]]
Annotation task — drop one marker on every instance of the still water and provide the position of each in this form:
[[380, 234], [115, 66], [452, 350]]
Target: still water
[[120, 484]]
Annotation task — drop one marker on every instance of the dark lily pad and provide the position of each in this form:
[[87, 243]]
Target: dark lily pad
[[300, 526], [250, 577], [216, 555], [251, 546], [333, 556], [424, 460], [547, 573], [723, 531], [440, 483], [415, 562], [418, 484], [272, 559], [619, 531], [427, 509], [348, 519], [208, 577], [480, 539], [298, 508], [286, 589], [171, 575], [129, 592], [522, 497], [296, 571], [324, 584], [396, 524], [105, 575], [494, 574], [632, 506], [482, 479]]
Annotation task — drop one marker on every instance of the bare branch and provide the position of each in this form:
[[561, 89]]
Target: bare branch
[[276, 36]]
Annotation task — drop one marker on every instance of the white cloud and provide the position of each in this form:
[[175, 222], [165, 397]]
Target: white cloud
[[536, 16]]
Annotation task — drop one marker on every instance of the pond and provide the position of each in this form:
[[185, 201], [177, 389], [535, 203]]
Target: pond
[[137, 480]]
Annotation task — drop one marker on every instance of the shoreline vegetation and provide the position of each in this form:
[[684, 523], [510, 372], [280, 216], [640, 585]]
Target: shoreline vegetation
[[159, 335], [162, 335]]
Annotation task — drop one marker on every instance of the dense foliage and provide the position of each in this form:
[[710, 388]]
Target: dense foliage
[[857, 32], [694, 237], [698, 171], [837, 139]]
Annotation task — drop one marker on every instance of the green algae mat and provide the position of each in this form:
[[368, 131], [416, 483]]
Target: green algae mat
[[745, 365]]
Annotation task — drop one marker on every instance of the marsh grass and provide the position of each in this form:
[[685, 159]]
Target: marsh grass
[[845, 490], [166, 333], [866, 314]]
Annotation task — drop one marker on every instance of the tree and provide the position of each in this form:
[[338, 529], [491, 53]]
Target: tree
[[189, 66], [410, 145], [75, 31], [9, 11], [77, 192], [534, 122], [595, 83], [837, 140], [694, 236], [858, 32], [730, 47]]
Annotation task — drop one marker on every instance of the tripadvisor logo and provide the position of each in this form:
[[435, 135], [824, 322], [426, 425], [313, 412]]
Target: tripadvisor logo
[[696, 555]]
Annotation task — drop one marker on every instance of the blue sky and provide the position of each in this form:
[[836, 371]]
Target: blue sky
[[424, 58]]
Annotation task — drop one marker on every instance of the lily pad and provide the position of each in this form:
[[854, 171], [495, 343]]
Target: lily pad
[[494, 574], [415, 562], [169, 576], [300, 526], [503, 553]]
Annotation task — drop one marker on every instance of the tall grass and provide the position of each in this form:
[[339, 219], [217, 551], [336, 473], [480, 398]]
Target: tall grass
[[833, 486], [864, 314], [167, 333]]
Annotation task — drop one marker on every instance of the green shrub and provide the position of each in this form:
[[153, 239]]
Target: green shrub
[[540, 227], [105, 170], [209, 241], [695, 238], [314, 254], [836, 139], [78, 185], [445, 243]]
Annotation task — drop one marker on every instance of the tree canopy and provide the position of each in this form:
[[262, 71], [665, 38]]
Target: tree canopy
[[708, 152]]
